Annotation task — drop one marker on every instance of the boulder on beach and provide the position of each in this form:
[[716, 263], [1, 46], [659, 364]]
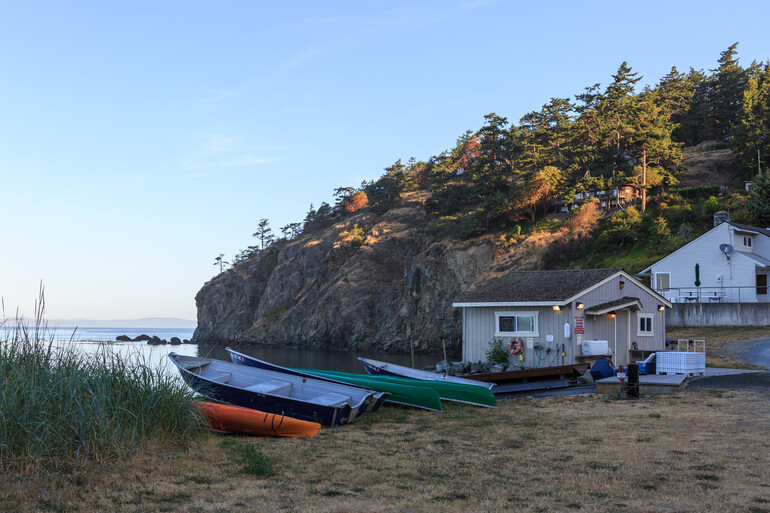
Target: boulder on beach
[[123, 338], [175, 341], [142, 338]]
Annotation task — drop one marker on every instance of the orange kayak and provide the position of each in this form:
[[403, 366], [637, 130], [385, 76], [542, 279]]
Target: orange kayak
[[235, 419]]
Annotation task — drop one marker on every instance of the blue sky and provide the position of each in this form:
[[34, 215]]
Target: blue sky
[[139, 140]]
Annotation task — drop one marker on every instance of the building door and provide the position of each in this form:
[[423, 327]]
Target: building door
[[761, 287]]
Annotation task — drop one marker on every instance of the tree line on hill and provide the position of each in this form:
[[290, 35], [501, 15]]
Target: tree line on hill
[[506, 176]]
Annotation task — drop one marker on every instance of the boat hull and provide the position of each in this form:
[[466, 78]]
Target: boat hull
[[378, 368], [378, 398], [303, 409], [235, 419], [415, 396]]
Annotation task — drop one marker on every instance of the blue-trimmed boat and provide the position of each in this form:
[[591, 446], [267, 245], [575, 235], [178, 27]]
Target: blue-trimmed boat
[[315, 400], [408, 395], [378, 397]]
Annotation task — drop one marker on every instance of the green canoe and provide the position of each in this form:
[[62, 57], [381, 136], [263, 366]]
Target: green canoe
[[469, 394], [400, 393]]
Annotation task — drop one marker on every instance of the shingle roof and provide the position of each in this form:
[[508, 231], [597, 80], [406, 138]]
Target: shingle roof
[[623, 302], [532, 286], [763, 231]]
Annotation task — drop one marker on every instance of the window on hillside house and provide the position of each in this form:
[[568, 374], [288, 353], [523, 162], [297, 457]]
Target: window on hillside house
[[515, 323], [645, 325], [662, 281], [747, 241]]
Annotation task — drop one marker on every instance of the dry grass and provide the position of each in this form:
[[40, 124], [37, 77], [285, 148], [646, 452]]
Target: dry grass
[[695, 451], [720, 342]]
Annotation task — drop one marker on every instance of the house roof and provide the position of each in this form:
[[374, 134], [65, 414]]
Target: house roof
[[751, 229], [535, 286], [618, 304], [758, 260]]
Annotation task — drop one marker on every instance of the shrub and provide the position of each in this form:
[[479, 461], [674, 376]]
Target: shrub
[[496, 352]]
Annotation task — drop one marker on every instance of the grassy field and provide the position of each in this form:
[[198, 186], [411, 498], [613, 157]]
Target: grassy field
[[694, 451], [704, 450]]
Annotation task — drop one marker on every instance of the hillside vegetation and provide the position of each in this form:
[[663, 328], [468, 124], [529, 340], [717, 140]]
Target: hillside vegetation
[[685, 147], [380, 268]]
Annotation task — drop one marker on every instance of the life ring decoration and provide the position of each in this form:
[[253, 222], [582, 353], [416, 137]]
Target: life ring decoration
[[514, 345]]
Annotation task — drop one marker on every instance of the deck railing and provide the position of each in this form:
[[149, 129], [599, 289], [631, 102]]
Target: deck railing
[[745, 294]]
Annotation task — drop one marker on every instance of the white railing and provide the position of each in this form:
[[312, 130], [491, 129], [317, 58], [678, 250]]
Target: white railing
[[746, 294]]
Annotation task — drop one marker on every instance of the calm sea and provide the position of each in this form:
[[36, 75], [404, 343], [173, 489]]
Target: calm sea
[[91, 340]]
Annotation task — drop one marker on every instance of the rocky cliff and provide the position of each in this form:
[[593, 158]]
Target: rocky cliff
[[321, 291]]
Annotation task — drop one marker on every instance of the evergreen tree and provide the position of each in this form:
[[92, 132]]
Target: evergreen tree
[[752, 131], [220, 262], [759, 199], [264, 234], [727, 86]]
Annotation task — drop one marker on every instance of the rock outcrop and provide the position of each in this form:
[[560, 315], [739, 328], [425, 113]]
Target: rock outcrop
[[321, 291]]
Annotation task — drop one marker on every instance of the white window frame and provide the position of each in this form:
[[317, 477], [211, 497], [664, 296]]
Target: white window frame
[[657, 283], [514, 313], [747, 241], [651, 319]]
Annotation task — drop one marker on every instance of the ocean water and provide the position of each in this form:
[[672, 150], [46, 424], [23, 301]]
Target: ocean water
[[92, 340]]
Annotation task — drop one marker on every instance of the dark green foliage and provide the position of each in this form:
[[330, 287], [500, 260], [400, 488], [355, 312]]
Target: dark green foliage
[[496, 352], [759, 199]]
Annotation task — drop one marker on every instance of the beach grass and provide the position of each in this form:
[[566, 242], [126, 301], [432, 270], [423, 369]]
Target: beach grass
[[62, 408]]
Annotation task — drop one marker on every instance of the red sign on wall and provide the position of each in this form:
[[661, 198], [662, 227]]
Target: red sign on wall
[[579, 329]]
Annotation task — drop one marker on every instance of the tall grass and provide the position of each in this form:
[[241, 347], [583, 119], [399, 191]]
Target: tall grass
[[60, 407]]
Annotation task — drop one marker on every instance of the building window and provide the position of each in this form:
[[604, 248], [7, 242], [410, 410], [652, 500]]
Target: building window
[[662, 281], [645, 325], [515, 323], [747, 241]]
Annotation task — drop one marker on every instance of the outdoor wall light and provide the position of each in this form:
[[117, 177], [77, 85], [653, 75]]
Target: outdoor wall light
[[611, 315], [622, 284], [556, 307], [661, 308], [580, 305]]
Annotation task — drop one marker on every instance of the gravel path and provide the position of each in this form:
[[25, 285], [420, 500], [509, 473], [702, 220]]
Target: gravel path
[[757, 380]]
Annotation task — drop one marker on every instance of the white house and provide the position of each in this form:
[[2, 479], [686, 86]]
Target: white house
[[552, 313], [729, 263]]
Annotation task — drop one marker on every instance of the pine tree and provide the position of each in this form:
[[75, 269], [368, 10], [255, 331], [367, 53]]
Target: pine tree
[[264, 234], [759, 199], [752, 130], [727, 85]]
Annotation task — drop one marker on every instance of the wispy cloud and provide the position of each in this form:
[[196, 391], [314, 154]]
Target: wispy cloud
[[218, 151]]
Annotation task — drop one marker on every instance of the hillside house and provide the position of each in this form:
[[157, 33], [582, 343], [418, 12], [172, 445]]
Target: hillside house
[[728, 264], [554, 312], [610, 198]]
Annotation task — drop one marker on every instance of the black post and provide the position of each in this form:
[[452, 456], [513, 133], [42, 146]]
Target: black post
[[633, 381]]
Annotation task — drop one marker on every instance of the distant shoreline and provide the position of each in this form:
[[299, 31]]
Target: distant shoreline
[[146, 323]]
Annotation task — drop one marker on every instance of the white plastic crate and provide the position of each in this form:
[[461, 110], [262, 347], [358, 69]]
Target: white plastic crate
[[680, 362]]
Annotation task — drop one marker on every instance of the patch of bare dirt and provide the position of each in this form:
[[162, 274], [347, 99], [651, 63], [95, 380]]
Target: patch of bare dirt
[[705, 166]]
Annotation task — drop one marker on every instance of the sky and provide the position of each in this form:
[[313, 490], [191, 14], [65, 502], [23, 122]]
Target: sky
[[140, 140]]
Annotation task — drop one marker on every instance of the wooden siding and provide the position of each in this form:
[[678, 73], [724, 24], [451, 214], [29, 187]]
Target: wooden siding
[[623, 329], [479, 331], [734, 277], [479, 327]]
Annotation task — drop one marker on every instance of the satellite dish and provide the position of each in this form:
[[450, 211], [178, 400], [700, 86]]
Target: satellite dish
[[726, 249]]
